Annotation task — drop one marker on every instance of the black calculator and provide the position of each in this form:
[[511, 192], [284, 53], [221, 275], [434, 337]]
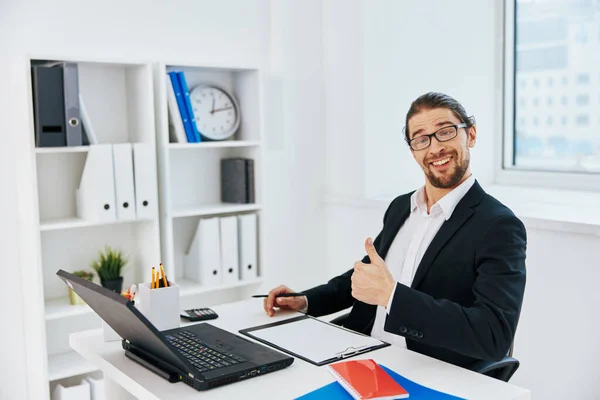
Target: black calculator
[[198, 314]]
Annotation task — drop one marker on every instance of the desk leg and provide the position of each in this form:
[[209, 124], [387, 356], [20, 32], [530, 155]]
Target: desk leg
[[114, 391]]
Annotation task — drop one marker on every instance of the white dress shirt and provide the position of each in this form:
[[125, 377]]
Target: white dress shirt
[[410, 244]]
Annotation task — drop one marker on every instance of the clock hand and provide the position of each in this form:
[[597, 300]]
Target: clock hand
[[213, 106], [221, 109]]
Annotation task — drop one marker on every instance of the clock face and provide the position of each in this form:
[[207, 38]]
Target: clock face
[[216, 113]]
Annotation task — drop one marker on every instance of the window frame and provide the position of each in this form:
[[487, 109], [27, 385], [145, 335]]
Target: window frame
[[507, 173]]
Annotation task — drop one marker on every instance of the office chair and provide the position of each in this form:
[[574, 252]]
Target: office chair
[[503, 369]]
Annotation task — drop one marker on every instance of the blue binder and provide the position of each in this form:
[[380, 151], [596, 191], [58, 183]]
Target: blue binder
[[189, 132], [190, 111], [335, 391]]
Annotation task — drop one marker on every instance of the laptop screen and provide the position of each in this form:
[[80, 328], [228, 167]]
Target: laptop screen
[[124, 318]]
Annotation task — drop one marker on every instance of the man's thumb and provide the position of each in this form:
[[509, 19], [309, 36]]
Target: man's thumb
[[372, 252]]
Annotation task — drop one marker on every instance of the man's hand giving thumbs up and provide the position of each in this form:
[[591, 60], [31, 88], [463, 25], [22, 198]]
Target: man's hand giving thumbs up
[[372, 283]]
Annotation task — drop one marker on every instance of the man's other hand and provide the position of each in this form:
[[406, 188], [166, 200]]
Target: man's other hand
[[288, 303]]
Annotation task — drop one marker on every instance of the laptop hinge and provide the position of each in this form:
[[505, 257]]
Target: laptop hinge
[[154, 364]]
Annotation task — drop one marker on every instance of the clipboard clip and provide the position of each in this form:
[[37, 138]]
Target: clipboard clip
[[351, 351]]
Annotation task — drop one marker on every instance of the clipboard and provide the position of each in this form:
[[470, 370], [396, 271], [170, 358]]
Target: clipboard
[[298, 337]]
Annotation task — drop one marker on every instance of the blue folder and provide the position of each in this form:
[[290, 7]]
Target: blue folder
[[187, 127], [188, 104], [415, 391]]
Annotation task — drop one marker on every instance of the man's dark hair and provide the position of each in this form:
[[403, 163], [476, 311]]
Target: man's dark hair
[[432, 100]]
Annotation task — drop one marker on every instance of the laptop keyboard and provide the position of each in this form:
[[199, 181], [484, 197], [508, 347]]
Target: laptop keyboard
[[199, 354]]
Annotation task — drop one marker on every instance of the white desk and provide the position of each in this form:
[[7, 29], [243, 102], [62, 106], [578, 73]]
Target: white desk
[[125, 378]]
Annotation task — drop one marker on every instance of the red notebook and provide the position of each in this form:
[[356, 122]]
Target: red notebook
[[365, 379]]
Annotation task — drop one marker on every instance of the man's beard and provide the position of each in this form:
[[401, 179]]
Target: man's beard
[[445, 181]]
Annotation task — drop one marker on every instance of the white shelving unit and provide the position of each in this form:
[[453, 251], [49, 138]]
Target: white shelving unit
[[127, 103], [189, 175], [66, 365], [119, 98]]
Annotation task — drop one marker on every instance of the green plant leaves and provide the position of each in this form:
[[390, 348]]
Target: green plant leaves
[[110, 264]]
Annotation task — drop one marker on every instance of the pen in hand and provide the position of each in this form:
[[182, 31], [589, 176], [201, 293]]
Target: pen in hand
[[281, 295]]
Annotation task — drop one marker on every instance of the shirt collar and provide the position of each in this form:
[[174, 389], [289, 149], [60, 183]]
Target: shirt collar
[[447, 204]]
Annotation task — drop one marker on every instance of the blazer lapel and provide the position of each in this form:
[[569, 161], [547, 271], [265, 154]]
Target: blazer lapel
[[395, 224], [461, 214]]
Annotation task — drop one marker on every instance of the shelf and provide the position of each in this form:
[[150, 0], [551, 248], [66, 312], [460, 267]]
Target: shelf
[[212, 145], [213, 209], [60, 150], [189, 288], [70, 223], [61, 308], [67, 365]]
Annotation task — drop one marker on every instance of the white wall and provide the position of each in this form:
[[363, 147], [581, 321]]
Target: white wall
[[226, 32], [12, 364], [412, 47], [295, 176], [344, 93], [556, 340]]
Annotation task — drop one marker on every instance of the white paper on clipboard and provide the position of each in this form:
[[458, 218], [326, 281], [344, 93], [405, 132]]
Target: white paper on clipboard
[[316, 340]]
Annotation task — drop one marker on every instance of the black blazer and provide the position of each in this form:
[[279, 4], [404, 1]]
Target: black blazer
[[465, 299]]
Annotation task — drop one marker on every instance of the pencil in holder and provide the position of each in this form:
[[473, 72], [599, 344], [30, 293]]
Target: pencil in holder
[[160, 306]]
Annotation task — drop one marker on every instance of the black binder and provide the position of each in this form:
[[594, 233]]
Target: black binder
[[48, 106], [237, 180]]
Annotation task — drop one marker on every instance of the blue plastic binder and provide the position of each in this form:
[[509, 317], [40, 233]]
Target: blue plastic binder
[[188, 104], [189, 132], [335, 391]]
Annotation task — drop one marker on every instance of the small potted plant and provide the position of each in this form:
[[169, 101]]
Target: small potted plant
[[74, 297], [109, 266]]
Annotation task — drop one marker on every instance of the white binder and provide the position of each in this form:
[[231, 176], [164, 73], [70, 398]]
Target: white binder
[[248, 246], [229, 250], [96, 388], [124, 186], [96, 192], [203, 261], [144, 169], [176, 123], [78, 392]]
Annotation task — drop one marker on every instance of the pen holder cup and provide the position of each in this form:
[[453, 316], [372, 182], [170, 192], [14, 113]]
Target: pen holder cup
[[160, 306]]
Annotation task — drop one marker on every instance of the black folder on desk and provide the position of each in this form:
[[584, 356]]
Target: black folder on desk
[[313, 340]]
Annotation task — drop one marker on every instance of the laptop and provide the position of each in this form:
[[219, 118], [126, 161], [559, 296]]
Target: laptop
[[202, 355]]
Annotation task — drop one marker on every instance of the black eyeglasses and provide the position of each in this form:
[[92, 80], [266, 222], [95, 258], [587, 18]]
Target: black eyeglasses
[[442, 135]]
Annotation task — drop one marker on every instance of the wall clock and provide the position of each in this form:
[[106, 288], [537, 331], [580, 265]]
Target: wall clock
[[216, 112]]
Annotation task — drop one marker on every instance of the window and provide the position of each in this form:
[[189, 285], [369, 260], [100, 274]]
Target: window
[[582, 120], [551, 48], [583, 79], [582, 100]]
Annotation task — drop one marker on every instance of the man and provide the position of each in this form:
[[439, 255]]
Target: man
[[446, 275]]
